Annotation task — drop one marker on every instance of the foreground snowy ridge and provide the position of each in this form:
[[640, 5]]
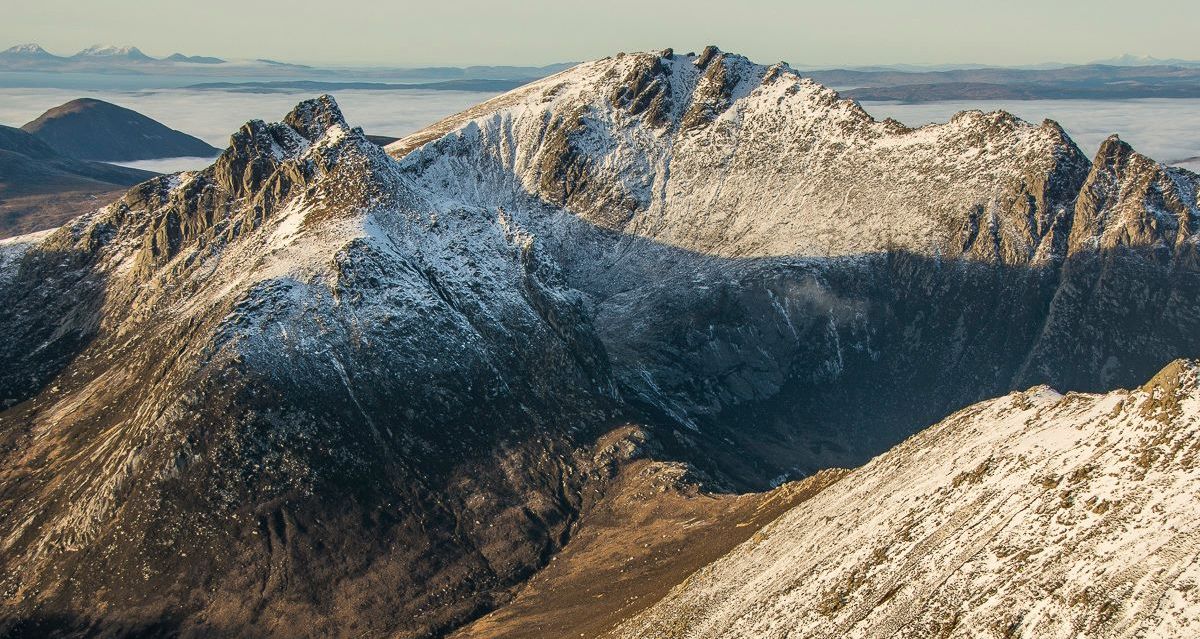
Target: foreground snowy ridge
[[1032, 515]]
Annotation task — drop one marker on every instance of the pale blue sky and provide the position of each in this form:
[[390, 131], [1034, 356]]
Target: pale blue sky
[[803, 32]]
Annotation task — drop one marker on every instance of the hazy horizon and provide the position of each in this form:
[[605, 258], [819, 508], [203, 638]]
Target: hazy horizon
[[473, 32]]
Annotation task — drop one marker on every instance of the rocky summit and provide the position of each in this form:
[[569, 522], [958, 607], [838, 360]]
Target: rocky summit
[[325, 389]]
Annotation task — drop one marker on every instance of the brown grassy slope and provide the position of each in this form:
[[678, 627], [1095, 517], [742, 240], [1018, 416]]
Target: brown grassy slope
[[647, 534]]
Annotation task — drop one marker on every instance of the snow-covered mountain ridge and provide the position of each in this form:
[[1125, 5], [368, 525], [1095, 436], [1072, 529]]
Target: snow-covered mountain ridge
[[321, 368], [287, 329], [715, 154], [708, 182], [1033, 515]]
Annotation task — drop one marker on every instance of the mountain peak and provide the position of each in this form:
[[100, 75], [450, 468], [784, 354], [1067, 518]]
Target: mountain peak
[[110, 51], [312, 118], [1130, 201], [29, 49], [1112, 149], [706, 56], [87, 128], [194, 59]]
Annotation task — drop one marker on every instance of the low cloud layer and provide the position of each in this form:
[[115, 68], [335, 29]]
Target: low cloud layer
[[1164, 129], [214, 115]]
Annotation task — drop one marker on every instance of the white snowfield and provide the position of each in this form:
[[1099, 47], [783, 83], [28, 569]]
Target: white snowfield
[[107, 50], [1032, 515]]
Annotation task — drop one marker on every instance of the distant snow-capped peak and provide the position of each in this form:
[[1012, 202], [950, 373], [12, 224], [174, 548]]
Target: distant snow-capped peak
[[29, 48], [110, 51], [1143, 60]]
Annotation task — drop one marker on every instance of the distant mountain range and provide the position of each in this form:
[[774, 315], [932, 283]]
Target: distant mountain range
[[32, 52], [1090, 90], [321, 86], [109, 51], [34, 55], [1125, 60], [1131, 60], [1121, 77], [194, 59], [130, 59], [1091, 81]]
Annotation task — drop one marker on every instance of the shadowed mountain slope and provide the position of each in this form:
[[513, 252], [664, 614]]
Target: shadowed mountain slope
[[41, 188], [92, 129]]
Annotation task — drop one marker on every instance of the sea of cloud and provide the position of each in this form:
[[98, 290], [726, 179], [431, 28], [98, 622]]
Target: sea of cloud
[[1165, 129], [213, 115]]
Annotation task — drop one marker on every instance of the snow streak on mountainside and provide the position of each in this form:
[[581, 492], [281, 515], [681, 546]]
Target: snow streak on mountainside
[[368, 394], [1033, 515]]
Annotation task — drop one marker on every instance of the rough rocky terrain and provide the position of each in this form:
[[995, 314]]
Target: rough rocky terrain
[[757, 251], [321, 386]]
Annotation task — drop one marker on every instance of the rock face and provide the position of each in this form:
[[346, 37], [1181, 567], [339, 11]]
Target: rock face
[[317, 386], [757, 251], [41, 188], [92, 129], [1035, 514], [284, 366]]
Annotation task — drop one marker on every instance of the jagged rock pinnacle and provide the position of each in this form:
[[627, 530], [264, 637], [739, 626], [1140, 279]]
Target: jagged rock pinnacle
[[312, 118], [706, 56]]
